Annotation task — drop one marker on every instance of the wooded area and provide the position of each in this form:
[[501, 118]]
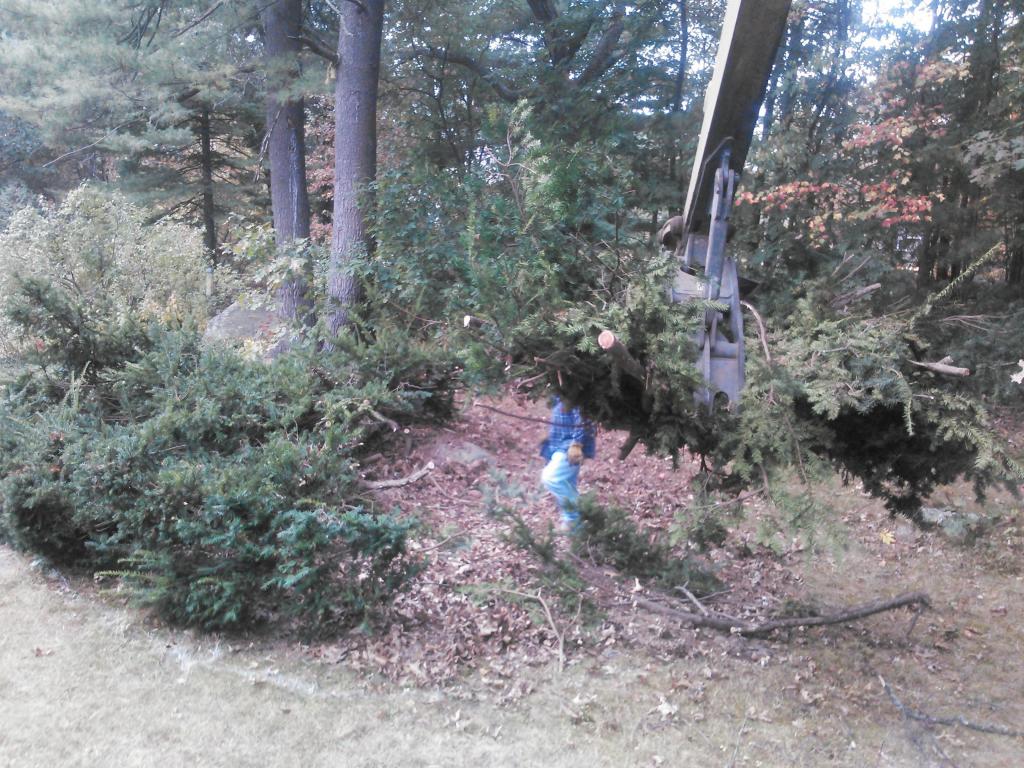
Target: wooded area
[[287, 288], [360, 176]]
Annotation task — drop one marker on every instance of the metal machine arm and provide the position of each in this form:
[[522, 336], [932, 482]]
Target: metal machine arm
[[750, 38]]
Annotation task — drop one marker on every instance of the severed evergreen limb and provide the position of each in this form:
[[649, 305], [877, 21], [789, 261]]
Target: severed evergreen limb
[[944, 367]]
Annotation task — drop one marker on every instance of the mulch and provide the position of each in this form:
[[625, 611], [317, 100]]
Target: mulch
[[481, 601]]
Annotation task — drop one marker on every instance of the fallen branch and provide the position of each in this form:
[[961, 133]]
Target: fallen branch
[[921, 717], [607, 341], [751, 629], [378, 485], [843, 299], [943, 366]]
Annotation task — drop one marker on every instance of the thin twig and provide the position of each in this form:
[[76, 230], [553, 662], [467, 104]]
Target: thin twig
[[734, 500], [913, 623]]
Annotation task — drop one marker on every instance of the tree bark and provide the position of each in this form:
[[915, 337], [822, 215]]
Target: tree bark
[[1015, 261], [206, 161], [788, 77], [677, 91], [684, 41], [286, 140], [355, 149]]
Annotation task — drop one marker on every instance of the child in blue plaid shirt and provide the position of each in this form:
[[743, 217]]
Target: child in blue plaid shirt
[[570, 440]]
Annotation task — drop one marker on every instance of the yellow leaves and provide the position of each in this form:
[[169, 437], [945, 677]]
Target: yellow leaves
[[887, 537]]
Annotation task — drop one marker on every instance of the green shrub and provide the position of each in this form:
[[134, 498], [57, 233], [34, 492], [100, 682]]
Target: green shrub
[[222, 490], [98, 247], [610, 534]]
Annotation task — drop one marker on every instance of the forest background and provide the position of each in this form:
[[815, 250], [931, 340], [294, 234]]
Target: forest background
[[379, 171]]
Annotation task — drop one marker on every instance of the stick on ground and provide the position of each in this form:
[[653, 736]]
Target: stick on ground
[[921, 717], [377, 485], [751, 629]]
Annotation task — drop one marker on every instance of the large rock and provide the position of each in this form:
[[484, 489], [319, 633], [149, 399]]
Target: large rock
[[463, 453], [257, 327], [956, 525]]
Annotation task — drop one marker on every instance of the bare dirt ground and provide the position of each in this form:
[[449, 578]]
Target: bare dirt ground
[[466, 672]]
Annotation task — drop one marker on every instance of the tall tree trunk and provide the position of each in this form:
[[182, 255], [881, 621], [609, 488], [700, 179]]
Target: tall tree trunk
[[927, 259], [677, 91], [789, 81], [684, 41], [206, 161], [983, 59], [1014, 239], [355, 149], [286, 140]]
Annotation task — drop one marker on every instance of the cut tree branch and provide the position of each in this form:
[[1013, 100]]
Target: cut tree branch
[[471, 321], [610, 344], [943, 366]]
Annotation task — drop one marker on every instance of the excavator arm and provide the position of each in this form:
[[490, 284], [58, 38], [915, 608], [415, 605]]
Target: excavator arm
[[751, 34]]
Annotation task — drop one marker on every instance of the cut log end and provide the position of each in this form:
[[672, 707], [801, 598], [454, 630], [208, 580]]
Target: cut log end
[[607, 341]]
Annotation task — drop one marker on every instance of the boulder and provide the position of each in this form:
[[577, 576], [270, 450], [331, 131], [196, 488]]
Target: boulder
[[956, 525], [252, 325]]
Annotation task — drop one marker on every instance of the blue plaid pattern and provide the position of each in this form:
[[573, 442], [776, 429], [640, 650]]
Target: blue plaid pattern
[[568, 427]]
